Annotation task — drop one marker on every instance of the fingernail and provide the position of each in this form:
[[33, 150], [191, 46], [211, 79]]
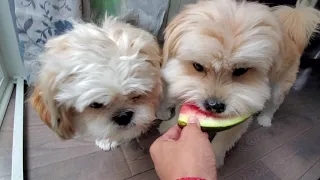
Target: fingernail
[[193, 120]]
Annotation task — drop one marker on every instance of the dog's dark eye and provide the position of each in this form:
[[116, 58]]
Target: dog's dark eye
[[198, 67], [239, 71], [96, 105], [136, 97]]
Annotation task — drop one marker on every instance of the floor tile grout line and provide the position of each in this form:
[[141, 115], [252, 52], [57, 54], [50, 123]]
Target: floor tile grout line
[[139, 173], [275, 150], [310, 168], [36, 125], [6, 131], [127, 162], [153, 168], [271, 152], [5, 176], [270, 170], [253, 163], [27, 169]]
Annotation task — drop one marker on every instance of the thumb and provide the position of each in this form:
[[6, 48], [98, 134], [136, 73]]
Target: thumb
[[192, 129], [194, 121]]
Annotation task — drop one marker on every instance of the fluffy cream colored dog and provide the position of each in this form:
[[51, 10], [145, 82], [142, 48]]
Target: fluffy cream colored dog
[[234, 58], [101, 81]]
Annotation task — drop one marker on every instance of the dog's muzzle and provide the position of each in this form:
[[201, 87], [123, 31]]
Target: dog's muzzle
[[123, 117]]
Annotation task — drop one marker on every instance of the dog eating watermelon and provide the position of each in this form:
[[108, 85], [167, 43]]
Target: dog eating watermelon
[[209, 122]]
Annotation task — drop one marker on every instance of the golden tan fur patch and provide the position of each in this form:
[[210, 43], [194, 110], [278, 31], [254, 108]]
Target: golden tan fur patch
[[65, 130]]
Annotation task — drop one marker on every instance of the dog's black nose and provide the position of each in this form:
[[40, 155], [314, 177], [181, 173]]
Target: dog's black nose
[[123, 118], [214, 106]]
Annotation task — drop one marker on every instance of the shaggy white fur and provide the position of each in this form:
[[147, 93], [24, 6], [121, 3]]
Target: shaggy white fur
[[243, 55], [101, 81]]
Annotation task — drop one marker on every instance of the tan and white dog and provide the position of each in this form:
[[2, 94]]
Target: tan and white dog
[[100, 81], [234, 58]]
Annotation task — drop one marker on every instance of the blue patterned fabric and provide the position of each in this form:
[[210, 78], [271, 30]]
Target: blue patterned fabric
[[39, 20]]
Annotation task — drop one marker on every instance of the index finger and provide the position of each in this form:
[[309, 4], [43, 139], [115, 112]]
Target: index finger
[[172, 134]]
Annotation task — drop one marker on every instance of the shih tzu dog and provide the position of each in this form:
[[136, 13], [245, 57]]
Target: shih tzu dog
[[100, 81], [233, 58]]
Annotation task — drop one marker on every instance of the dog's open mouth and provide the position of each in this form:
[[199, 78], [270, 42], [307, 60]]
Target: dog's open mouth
[[209, 122], [218, 116], [200, 111]]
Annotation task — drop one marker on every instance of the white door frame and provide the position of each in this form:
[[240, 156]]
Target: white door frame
[[13, 65], [5, 88], [4, 80]]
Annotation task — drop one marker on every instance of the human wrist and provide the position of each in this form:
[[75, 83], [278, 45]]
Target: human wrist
[[190, 174], [191, 178]]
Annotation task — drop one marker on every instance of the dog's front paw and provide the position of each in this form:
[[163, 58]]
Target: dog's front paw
[[219, 161], [106, 144], [166, 113], [264, 121], [165, 125], [220, 154]]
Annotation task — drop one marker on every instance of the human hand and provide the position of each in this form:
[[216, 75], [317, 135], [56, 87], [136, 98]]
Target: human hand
[[184, 153]]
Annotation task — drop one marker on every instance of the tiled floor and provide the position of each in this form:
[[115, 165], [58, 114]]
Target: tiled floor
[[289, 150]]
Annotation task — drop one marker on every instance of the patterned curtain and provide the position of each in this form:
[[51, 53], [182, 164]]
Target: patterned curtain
[[39, 20]]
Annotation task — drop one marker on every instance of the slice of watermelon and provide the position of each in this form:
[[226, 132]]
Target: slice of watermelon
[[209, 122]]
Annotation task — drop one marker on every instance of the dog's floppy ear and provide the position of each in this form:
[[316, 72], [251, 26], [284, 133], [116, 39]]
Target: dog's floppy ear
[[154, 53], [56, 116], [39, 106], [173, 33], [58, 119]]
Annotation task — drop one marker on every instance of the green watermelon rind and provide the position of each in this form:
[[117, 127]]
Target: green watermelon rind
[[211, 125]]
